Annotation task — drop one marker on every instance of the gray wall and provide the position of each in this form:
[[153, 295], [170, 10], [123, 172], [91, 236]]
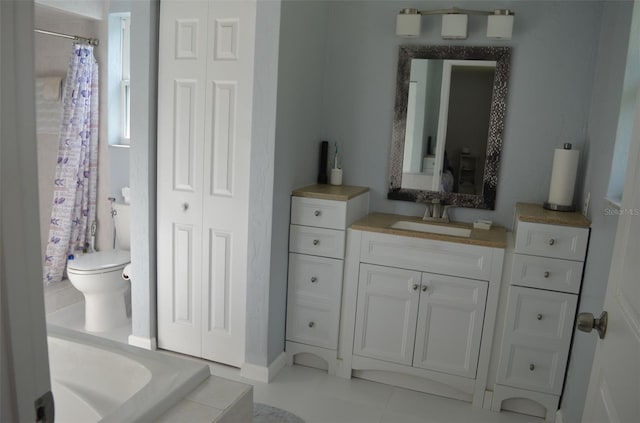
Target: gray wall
[[260, 329], [144, 102], [554, 46], [298, 135], [601, 133]]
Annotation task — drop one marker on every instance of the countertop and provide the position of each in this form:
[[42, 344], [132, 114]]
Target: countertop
[[330, 192], [535, 213], [496, 237]]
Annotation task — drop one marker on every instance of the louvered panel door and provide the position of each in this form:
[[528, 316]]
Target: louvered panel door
[[227, 148], [181, 113]]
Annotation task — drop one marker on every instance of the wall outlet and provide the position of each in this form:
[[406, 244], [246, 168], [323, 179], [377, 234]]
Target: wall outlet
[[585, 205]]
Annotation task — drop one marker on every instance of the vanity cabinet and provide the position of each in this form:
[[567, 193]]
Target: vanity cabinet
[[545, 279], [425, 320], [419, 311], [320, 215]]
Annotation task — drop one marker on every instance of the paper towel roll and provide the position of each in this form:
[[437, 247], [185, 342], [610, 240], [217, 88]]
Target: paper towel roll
[[563, 176]]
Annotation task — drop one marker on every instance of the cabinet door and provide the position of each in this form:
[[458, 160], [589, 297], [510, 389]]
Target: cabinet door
[[449, 325], [386, 313]]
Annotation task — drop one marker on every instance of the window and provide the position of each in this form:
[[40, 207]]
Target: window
[[125, 91]]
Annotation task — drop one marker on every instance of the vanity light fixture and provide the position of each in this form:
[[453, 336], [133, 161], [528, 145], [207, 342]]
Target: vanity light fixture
[[454, 22]]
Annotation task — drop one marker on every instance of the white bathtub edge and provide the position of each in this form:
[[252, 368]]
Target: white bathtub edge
[[172, 382]]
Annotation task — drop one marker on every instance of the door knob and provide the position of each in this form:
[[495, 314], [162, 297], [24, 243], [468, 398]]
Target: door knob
[[587, 323], [415, 286], [424, 288]]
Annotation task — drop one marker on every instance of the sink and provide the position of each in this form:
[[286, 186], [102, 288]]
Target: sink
[[434, 229]]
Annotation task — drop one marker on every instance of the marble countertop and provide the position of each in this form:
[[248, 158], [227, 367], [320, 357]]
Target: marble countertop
[[496, 237], [535, 213], [330, 192]]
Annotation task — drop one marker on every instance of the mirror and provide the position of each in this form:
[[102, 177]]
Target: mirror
[[448, 124]]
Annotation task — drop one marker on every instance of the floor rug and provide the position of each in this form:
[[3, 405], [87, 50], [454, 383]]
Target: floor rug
[[263, 413]]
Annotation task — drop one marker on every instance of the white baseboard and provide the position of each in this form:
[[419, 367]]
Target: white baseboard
[[141, 342], [262, 373]]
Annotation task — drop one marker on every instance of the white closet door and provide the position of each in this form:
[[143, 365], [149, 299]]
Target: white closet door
[[227, 148], [181, 113]]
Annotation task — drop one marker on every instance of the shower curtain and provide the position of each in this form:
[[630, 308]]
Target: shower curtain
[[75, 184]]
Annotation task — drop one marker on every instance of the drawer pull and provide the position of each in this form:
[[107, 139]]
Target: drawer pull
[[424, 288], [314, 279], [552, 241], [532, 367], [317, 213], [185, 206], [312, 324], [415, 287], [316, 241], [539, 316], [547, 274]]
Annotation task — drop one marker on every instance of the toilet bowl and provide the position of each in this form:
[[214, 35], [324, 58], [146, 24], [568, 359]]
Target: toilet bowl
[[98, 276]]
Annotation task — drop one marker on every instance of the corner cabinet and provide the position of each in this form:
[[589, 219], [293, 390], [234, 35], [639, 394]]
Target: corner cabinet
[[544, 283], [419, 313], [320, 215]]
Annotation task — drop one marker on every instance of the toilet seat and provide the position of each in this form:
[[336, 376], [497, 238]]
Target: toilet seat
[[99, 262]]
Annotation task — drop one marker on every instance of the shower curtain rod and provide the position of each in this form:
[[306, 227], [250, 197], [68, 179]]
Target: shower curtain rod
[[91, 41]]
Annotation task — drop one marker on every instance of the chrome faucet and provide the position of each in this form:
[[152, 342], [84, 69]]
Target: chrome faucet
[[436, 212]]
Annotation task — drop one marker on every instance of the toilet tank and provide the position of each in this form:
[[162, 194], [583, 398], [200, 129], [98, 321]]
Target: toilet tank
[[122, 221]]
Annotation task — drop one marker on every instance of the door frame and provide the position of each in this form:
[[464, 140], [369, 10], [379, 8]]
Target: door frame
[[25, 362]]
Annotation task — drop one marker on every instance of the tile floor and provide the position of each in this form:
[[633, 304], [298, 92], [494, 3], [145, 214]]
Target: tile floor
[[319, 398]]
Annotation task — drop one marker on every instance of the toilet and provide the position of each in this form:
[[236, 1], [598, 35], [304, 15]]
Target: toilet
[[98, 276]]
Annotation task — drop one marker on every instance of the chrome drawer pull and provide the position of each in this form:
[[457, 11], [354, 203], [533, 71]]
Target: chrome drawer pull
[[415, 286], [424, 288], [539, 316], [552, 241], [311, 324], [547, 274], [314, 279], [316, 241], [532, 367], [317, 213]]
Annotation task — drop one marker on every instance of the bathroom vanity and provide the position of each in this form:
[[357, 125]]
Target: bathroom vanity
[[320, 215], [419, 308]]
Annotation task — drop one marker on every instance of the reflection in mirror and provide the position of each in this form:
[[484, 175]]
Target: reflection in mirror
[[447, 136]]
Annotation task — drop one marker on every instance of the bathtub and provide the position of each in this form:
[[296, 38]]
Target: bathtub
[[95, 379]]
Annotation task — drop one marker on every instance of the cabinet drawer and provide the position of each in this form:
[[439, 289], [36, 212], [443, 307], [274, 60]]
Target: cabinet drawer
[[555, 241], [446, 258], [313, 324], [315, 278], [316, 241], [319, 213], [546, 273], [536, 368], [537, 333], [537, 316]]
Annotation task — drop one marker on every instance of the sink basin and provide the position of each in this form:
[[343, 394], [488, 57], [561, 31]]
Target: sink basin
[[434, 229]]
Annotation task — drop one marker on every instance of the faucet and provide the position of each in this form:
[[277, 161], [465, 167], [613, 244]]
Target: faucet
[[436, 212]]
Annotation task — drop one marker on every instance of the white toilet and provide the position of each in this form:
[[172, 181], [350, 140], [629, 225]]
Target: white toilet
[[98, 276]]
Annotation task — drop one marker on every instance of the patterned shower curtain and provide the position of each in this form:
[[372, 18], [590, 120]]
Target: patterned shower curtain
[[75, 183]]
